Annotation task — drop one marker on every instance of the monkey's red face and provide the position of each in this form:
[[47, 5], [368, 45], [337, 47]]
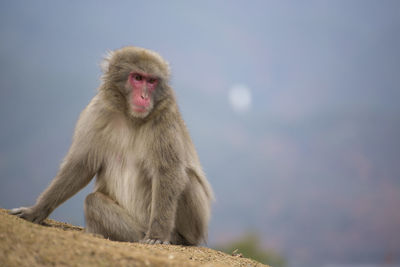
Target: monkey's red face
[[143, 86]]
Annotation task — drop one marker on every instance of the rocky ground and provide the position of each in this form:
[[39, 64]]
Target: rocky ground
[[59, 244]]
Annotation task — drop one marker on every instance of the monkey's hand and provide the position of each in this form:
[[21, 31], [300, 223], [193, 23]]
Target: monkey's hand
[[152, 241], [31, 214]]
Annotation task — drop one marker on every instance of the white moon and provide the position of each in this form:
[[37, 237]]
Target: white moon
[[240, 98]]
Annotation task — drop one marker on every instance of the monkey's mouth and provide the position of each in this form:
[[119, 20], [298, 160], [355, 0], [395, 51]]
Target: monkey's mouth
[[139, 109]]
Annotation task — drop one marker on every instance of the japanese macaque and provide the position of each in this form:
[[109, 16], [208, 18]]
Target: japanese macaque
[[150, 186]]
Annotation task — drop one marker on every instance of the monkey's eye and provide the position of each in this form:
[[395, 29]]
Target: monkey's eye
[[137, 77], [152, 80]]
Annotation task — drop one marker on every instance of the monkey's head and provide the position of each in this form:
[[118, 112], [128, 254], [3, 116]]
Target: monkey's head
[[135, 79]]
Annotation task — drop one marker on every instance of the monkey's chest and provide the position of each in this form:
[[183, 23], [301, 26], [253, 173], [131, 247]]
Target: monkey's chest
[[128, 186]]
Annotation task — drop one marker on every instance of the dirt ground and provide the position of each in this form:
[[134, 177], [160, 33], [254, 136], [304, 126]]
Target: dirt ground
[[59, 244]]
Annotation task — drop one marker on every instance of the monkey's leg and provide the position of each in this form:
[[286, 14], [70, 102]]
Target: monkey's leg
[[104, 216]]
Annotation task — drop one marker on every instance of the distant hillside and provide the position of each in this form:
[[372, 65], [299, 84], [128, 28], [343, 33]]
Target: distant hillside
[[59, 244]]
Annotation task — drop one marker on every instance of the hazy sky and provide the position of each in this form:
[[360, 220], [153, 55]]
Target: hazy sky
[[293, 108]]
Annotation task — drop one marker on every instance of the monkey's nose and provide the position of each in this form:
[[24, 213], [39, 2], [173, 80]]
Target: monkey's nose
[[144, 94]]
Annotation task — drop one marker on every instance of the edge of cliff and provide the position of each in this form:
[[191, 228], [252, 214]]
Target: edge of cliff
[[55, 243]]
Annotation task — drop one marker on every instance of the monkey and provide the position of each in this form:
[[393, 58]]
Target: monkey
[[149, 186]]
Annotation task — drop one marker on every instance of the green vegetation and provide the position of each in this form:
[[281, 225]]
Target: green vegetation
[[249, 246]]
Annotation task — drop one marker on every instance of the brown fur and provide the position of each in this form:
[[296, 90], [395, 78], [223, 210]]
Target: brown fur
[[150, 186]]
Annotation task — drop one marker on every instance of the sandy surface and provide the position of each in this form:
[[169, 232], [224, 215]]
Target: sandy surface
[[59, 244]]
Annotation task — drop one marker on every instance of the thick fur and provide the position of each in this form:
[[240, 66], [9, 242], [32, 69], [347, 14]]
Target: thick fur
[[149, 186]]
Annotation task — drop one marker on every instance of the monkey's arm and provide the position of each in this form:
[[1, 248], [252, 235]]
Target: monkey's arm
[[166, 189], [72, 176], [168, 183], [75, 173]]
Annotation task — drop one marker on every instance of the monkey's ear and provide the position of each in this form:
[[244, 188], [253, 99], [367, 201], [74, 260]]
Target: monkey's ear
[[106, 61]]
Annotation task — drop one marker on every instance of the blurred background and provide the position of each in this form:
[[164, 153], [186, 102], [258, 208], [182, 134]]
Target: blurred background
[[293, 107]]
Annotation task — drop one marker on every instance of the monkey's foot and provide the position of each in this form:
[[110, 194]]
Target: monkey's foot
[[151, 241]]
